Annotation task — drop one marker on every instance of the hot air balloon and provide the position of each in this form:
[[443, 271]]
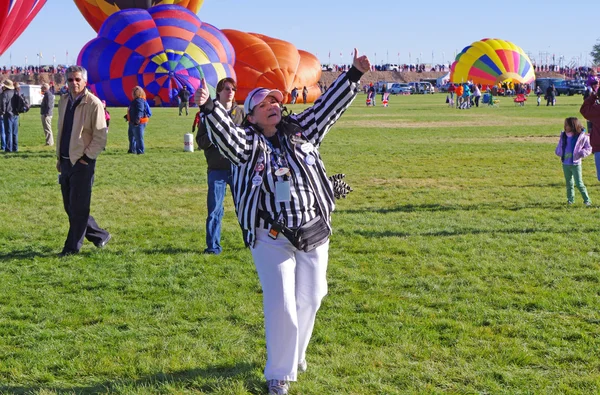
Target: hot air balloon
[[15, 16], [263, 61], [160, 49], [96, 11], [491, 61]]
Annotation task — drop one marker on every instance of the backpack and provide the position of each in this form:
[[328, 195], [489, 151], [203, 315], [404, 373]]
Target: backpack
[[20, 104]]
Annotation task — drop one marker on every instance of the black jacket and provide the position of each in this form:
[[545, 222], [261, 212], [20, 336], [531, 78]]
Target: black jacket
[[214, 159]]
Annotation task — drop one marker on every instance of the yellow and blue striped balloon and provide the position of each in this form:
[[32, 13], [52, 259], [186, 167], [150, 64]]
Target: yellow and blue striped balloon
[[490, 61]]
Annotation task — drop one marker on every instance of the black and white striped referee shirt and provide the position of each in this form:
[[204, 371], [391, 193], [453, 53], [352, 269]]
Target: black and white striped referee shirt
[[247, 149]]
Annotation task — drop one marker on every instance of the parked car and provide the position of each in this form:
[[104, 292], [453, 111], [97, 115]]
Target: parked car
[[422, 87], [544, 83], [569, 87], [577, 86], [400, 88]]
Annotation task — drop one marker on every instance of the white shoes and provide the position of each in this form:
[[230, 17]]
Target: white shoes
[[302, 365], [278, 387]]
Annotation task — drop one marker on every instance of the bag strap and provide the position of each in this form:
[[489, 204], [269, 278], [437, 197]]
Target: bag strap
[[287, 232]]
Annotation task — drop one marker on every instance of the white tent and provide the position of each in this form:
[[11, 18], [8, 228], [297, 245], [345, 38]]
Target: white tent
[[442, 80]]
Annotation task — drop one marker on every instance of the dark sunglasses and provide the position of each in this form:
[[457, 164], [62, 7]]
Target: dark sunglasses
[[74, 79]]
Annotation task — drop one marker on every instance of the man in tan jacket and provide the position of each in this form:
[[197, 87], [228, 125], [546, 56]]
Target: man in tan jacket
[[81, 138]]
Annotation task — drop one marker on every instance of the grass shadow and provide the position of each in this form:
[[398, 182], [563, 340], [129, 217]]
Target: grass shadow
[[28, 254], [411, 208], [214, 374], [463, 232]]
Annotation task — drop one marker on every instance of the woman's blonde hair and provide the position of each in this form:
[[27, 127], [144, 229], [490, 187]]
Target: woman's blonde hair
[[138, 92]]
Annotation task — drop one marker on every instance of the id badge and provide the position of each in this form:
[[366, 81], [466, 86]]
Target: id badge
[[282, 191]]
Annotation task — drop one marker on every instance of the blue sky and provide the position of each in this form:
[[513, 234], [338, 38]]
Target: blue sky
[[382, 29]]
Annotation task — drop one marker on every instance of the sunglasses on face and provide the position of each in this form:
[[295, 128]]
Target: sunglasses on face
[[74, 79]]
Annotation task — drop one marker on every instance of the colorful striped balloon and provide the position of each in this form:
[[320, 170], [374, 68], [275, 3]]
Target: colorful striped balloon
[[491, 61], [96, 11], [15, 16], [160, 49]]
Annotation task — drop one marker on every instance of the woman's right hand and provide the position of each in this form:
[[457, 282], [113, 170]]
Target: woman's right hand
[[202, 94]]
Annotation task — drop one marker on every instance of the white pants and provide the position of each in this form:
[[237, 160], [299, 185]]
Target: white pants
[[294, 283]]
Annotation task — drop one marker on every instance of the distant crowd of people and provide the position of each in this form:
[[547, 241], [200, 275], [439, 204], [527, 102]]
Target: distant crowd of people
[[30, 70]]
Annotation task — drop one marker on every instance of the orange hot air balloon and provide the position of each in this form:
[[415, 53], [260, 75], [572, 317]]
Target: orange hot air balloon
[[309, 77], [268, 62], [96, 11]]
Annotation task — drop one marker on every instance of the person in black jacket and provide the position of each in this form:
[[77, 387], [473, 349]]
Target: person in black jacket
[[184, 100], [550, 95], [219, 168]]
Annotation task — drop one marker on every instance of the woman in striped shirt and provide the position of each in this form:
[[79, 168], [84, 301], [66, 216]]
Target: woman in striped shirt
[[280, 189]]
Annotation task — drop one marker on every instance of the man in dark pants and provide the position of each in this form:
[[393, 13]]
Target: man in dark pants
[[184, 100], [81, 138]]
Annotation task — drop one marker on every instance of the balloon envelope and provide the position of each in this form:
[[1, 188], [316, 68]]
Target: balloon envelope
[[491, 61], [263, 61], [160, 49], [15, 16], [96, 11]]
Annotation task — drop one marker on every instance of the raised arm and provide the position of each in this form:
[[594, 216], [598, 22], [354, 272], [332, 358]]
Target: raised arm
[[233, 142], [318, 119]]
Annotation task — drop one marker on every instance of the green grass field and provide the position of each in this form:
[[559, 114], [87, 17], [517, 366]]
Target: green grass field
[[455, 267]]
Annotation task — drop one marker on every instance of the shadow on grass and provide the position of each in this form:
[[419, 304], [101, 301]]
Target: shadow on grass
[[29, 154], [461, 232], [411, 208], [28, 254], [185, 378]]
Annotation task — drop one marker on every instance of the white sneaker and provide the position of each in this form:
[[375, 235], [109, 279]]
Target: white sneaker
[[302, 366], [278, 387]]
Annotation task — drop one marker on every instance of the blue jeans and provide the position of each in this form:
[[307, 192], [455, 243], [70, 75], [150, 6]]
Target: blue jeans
[[2, 136], [137, 146], [217, 187], [131, 149], [597, 161], [11, 131]]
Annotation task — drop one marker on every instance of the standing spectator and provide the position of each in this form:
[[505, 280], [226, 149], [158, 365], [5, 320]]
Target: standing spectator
[[459, 95], [280, 184], [2, 131], [10, 104], [81, 138], [46, 111], [451, 90], [219, 167], [304, 94], [590, 109], [573, 146], [106, 115], [538, 93], [184, 97], [476, 94], [550, 95], [371, 95], [294, 94], [138, 117]]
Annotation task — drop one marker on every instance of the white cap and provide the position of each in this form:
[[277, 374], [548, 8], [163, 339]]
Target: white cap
[[257, 95]]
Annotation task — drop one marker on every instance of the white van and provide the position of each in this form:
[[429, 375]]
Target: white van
[[33, 94]]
